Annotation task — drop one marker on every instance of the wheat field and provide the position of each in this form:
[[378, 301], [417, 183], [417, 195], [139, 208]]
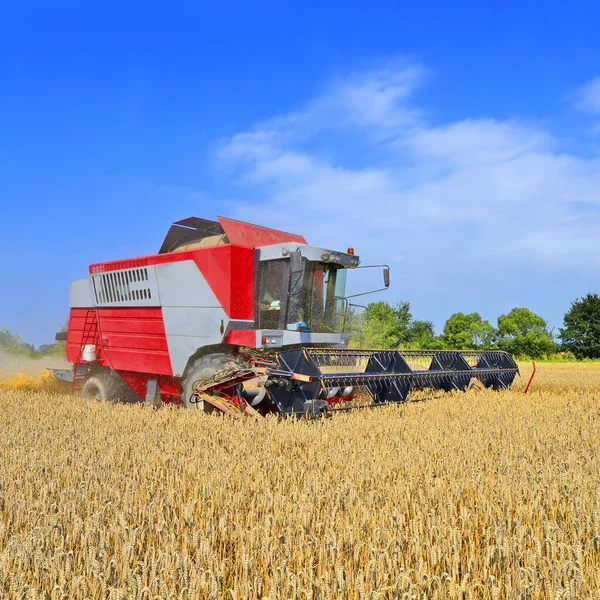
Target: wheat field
[[475, 495]]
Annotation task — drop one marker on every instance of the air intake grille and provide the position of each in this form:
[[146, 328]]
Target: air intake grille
[[129, 287]]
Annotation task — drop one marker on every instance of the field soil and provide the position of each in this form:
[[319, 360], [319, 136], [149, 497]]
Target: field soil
[[465, 495]]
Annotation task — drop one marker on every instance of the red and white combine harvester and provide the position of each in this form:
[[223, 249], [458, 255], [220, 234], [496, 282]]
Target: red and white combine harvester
[[244, 319]]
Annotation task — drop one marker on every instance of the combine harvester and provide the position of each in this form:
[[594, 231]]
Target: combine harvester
[[246, 320]]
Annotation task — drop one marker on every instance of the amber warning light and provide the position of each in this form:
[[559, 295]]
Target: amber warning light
[[350, 250]]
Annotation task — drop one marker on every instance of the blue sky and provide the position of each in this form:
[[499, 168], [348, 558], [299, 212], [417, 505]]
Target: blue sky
[[460, 142]]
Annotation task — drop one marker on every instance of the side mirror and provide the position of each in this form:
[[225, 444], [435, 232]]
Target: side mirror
[[386, 277], [296, 261]]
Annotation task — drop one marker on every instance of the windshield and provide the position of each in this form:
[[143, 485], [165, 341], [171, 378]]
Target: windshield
[[310, 300]]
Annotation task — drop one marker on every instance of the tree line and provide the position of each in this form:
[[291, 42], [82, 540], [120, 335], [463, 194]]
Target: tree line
[[520, 332], [13, 344]]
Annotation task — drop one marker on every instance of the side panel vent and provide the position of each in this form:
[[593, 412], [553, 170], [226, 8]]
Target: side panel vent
[[126, 287]]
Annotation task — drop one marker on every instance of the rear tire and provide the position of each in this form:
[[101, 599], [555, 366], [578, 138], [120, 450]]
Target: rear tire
[[204, 368], [105, 387]]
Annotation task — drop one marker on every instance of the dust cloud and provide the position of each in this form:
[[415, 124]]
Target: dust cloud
[[10, 363]]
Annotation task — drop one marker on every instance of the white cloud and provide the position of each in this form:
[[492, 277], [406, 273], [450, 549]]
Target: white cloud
[[361, 165], [478, 142], [588, 97]]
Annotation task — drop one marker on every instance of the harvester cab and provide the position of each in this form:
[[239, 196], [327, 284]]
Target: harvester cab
[[299, 290], [302, 290]]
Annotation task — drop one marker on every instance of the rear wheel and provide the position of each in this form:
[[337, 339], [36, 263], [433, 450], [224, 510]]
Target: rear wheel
[[106, 387], [202, 370]]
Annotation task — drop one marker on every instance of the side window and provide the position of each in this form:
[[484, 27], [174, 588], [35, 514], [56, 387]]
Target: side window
[[271, 293]]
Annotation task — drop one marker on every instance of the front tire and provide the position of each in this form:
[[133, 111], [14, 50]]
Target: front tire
[[204, 368]]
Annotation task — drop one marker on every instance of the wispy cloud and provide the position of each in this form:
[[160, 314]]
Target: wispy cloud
[[588, 97], [363, 165]]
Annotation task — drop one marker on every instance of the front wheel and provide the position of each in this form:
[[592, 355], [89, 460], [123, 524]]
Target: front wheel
[[202, 370]]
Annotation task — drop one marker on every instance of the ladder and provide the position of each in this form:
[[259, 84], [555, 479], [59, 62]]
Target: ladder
[[88, 336]]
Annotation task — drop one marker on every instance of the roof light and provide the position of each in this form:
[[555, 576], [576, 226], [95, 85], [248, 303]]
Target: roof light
[[285, 251], [350, 250], [325, 256]]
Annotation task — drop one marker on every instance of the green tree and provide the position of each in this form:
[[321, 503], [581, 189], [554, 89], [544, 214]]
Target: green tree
[[383, 325], [386, 324], [465, 332], [354, 326], [56, 349], [523, 333], [420, 335], [13, 344], [581, 331]]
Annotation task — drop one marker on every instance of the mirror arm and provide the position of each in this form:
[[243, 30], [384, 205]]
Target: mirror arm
[[387, 267], [365, 293]]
